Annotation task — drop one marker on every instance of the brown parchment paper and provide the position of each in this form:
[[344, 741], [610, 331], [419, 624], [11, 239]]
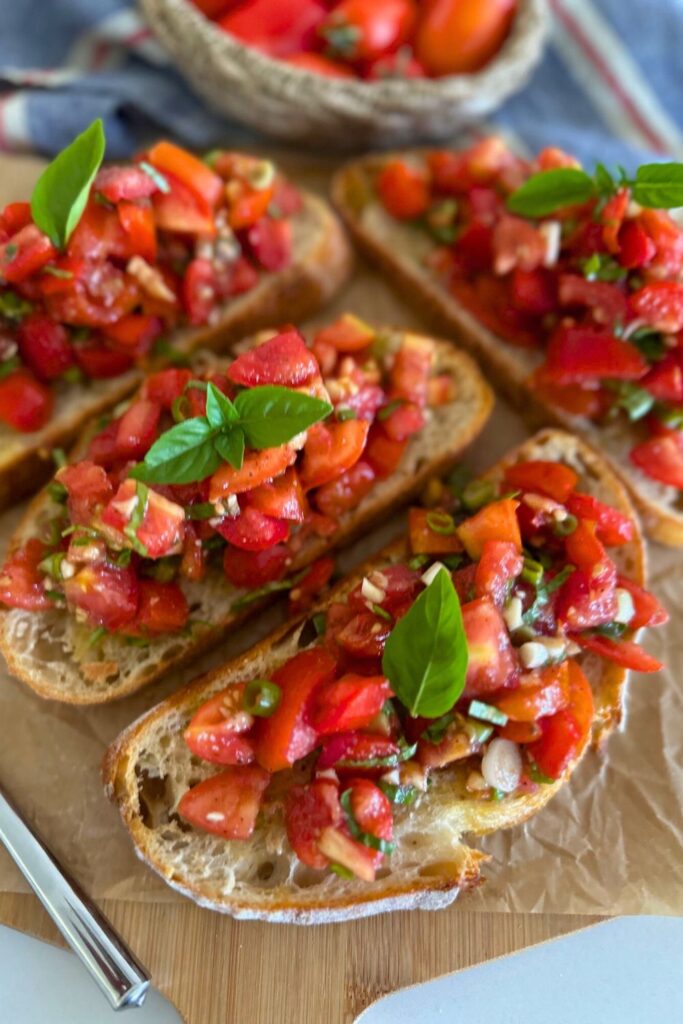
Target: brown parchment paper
[[610, 843]]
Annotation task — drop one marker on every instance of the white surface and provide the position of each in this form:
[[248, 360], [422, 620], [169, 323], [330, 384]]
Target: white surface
[[626, 971]]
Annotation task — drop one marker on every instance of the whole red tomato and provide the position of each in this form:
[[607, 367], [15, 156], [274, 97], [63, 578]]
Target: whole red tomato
[[278, 28], [212, 8], [368, 29], [458, 36], [319, 64]]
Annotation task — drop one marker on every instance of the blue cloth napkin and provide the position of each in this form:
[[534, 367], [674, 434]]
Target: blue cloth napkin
[[607, 88]]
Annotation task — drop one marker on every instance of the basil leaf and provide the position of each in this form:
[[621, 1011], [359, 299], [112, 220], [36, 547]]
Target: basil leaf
[[272, 415], [230, 447], [604, 181], [219, 409], [548, 191], [425, 658], [62, 190], [659, 185], [182, 455]]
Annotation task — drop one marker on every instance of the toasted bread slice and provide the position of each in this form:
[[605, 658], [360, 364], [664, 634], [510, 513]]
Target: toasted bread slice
[[320, 264], [149, 768], [50, 651], [400, 250]]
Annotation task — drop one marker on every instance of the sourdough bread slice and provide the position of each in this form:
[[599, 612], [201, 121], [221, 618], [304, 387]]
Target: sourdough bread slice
[[400, 249], [321, 263], [50, 650], [149, 768]]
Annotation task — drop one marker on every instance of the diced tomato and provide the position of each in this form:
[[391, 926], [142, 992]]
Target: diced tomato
[[99, 235], [347, 491], [660, 305], [88, 489], [659, 457], [253, 569], [163, 608], [283, 359], [399, 583], [365, 635], [308, 811], [107, 594], [101, 362], [25, 253], [496, 521], [350, 702], [15, 216], [553, 479], [181, 210], [236, 278], [565, 733], [21, 582], [612, 217], [287, 197], [667, 237], [282, 498], [347, 334], [473, 249], [573, 398], [606, 302], [248, 207], [355, 746], [371, 812], [546, 696], [586, 552], [251, 530], [137, 429], [403, 422], [517, 243], [492, 664], [25, 403], [193, 561], [199, 291], [440, 390], [622, 652], [138, 222], [286, 736], [383, 454], [270, 243], [665, 379], [116, 183], [534, 291], [102, 449], [194, 173], [258, 467], [581, 605], [409, 376], [463, 581], [161, 528], [45, 346], [612, 527], [226, 804], [135, 332], [403, 190], [499, 565], [577, 354], [647, 609], [216, 731], [309, 588], [166, 385], [636, 248], [521, 732], [330, 450], [432, 532]]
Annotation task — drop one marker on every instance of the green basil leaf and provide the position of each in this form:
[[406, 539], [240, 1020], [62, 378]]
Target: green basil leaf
[[604, 181], [219, 409], [230, 447], [659, 185], [62, 190], [182, 455], [425, 658], [272, 415], [548, 191]]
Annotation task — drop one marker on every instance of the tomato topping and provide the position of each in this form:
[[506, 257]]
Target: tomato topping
[[199, 291], [347, 491], [137, 429], [253, 569], [607, 304], [404, 190], [226, 804], [101, 362], [403, 422], [371, 812], [15, 216], [499, 565], [107, 594], [251, 530], [586, 552], [160, 530], [350, 702], [165, 386], [282, 498], [611, 526], [521, 732], [496, 521], [135, 332], [383, 454], [258, 468], [45, 346], [138, 223], [636, 248], [25, 253], [25, 403], [283, 359], [270, 243], [21, 582], [216, 730], [553, 479], [647, 609], [355, 746], [309, 588], [330, 450], [566, 732], [411, 368], [193, 173], [116, 183], [612, 218], [544, 693], [88, 488], [308, 811], [180, 209], [348, 334], [492, 665], [622, 652], [286, 736], [365, 635], [661, 305], [533, 291], [193, 561], [580, 605], [665, 379], [432, 532], [163, 608], [577, 354], [659, 457]]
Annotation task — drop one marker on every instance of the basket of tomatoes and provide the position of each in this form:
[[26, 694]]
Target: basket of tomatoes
[[352, 73]]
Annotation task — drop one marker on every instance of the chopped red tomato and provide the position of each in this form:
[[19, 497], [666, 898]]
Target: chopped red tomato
[[586, 552], [432, 532], [21, 582], [647, 609], [138, 223], [398, 584], [15, 216], [534, 291], [499, 565], [636, 248], [383, 454], [166, 385], [553, 479], [258, 468], [283, 359], [248, 207], [180, 209], [345, 493], [496, 521], [566, 732], [612, 218], [612, 527], [350, 702], [492, 665], [545, 695], [270, 243], [622, 652], [409, 377], [226, 804], [578, 354], [138, 428], [310, 587], [116, 183], [403, 189], [403, 422], [521, 732], [659, 457], [25, 403], [581, 605], [135, 332], [572, 398], [107, 594], [193, 561], [101, 362], [194, 173], [308, 811], [661, 305], [330, 450], [286, 736], [665, 379], [606, 303], [282, 498], [251, 530], [160, 529], [365, 635], [25, 253], [348, 334], [199, 291], [371, 813], [354, 747], [253, 569], [163, 608], [88, 488], [45, 346], [216, 731]]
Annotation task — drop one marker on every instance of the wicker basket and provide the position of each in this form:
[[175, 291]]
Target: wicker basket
[[291, 104]]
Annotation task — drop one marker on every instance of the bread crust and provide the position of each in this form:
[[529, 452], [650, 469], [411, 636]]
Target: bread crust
[[321, 264], [453, 428], [352, 193], [442, 880]]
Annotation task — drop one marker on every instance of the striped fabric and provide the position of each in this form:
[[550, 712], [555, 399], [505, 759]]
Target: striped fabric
[[607, 88]]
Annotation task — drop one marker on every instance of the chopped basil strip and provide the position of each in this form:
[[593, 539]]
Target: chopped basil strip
[[400, 795], [486, 713], [390, 761]]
